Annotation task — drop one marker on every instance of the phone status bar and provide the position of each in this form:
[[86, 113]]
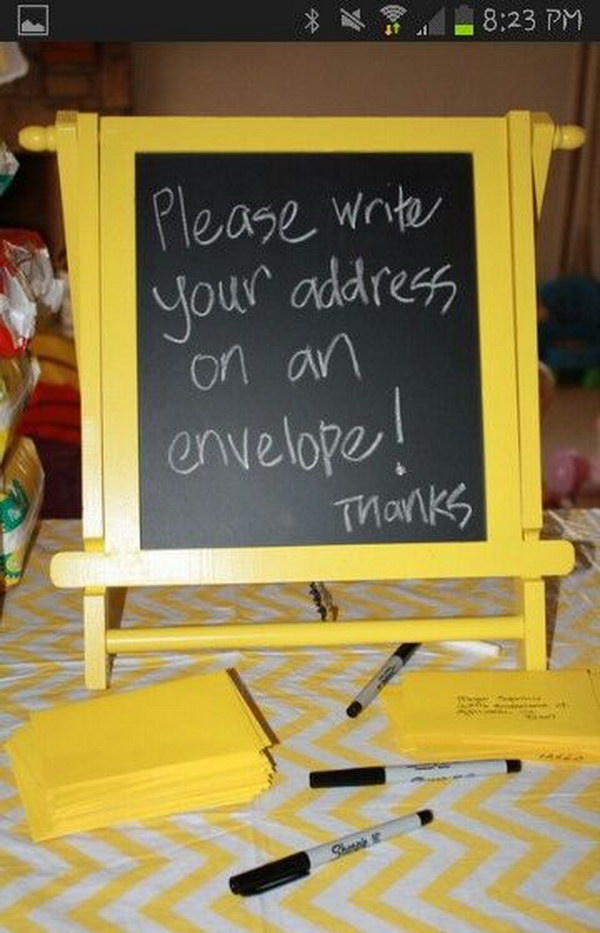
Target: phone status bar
[[304, 20], [451, 22]]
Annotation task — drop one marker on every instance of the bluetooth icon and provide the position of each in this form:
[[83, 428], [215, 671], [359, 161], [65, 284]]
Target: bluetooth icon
[[312, 17]]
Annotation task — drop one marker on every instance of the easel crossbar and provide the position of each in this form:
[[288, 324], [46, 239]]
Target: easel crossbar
[[297, 634]]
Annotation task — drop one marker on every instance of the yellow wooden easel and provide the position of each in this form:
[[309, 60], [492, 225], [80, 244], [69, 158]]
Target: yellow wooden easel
[[96, 158]]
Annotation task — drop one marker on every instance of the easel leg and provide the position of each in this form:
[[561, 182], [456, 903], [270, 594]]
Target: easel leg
[[102, 608], [534, 652]]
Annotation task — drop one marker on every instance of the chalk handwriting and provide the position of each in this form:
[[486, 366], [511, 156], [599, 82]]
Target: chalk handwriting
[[176, 225], [405, 212], [199, 300], [190, 451], [427, 505], [213, 267], [305, 360], [206, 369], [338, 289]]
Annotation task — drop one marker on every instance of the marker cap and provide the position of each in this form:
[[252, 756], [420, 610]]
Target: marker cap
[[347, 777], [271, 875], [406, 651], [426, 816], [354, 709]]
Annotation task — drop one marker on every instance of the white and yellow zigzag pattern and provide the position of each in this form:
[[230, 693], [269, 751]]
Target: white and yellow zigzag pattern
[[503, 855]]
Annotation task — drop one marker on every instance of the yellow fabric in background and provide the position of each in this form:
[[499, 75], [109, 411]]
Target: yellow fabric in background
[[512, 853], [56, 356]]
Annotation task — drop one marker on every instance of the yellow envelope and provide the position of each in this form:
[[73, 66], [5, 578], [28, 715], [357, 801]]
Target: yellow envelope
[[171, 747], [187, 719], [548, 715]]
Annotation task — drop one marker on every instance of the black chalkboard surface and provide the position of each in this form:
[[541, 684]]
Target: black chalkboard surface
[[308, 350]]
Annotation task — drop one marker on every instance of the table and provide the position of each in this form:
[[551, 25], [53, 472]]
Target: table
[[502, 855]]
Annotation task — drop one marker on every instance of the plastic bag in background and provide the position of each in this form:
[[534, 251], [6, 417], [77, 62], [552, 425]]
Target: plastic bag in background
[[18, 378], [27, 286], [20, 504], [8, 167], [28, 252], [66, 310]]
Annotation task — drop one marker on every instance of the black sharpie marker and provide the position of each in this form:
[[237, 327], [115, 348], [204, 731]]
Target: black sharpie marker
[[394, 663], [298, 865], [412, 774]]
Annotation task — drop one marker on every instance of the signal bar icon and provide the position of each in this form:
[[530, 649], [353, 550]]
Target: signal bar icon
[[436, 25]]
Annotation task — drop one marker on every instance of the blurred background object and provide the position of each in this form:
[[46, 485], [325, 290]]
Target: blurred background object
[[13, 63]]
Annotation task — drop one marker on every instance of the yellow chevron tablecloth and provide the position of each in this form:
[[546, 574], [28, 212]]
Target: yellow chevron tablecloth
[[503, 855]]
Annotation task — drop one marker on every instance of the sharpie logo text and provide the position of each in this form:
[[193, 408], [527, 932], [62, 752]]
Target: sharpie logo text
[[386, 674], [344, 848]]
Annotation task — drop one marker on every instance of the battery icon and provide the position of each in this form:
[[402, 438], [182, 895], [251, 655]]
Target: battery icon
[[464, 23]]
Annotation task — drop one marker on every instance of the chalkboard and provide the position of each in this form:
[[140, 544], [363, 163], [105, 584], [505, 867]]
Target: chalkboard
[[308, 350]]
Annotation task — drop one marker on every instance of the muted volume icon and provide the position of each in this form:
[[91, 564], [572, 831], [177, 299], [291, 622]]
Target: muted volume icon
[[351, 19], [436, 25], [393, 13]]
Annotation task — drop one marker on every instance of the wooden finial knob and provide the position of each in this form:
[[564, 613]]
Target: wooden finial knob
[[38, 138], [568, 137]]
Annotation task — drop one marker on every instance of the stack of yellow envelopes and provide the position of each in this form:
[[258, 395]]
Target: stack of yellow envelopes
[[181, 745], [534, 715]]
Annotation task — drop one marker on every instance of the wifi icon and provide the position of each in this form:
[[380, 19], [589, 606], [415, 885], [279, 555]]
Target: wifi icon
[[393, 12]]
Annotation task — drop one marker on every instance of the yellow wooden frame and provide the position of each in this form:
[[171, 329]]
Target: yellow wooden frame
[[97, 169]]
